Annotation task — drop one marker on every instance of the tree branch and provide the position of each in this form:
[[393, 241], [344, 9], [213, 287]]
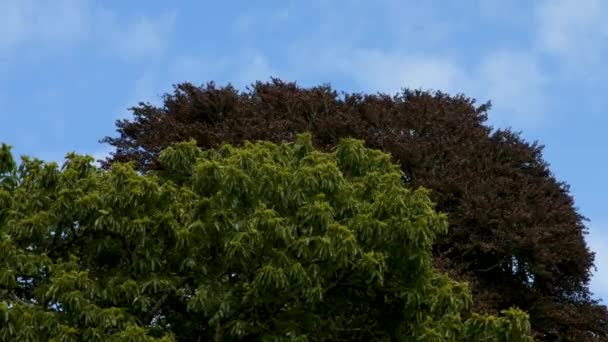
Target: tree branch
[[148, 318]]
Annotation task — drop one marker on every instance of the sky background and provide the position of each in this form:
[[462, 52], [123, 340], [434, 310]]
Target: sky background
[[70, 68]]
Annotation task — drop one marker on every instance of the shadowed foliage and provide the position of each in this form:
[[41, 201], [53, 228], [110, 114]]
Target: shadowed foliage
[[514, 234], [260, 243]]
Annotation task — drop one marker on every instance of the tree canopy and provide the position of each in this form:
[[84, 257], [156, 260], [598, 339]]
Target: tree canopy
[[514, 234], [264, 242]]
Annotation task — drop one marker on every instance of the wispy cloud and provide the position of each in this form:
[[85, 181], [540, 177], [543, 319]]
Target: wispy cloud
[[134, 38], [255, 66], [249, 66], [268, 20], [512, 80], [386, 72], [42, 22], [576, 31], [147, 88], [515, 84], [48, 23], [196, 69], [142, 91]]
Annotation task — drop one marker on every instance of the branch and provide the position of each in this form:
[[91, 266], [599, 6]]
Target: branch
[[489, 268], [492, 267], [62, 247], [152, 313], [219, 333], [19, 300], [148, 318]]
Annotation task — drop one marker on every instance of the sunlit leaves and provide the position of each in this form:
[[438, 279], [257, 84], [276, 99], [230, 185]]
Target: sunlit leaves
[[263, 242], [509, 328], [180, 159]]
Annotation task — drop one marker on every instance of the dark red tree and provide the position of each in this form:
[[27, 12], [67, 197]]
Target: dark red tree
[[515, 234]]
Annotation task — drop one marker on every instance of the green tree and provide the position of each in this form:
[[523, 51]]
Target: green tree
[[264, 242], [515, 234]]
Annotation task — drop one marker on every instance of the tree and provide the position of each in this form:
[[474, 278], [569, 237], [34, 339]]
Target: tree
[[264, 242], [514, 234]]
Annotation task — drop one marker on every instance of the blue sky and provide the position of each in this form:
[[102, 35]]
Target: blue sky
[[69, 68]]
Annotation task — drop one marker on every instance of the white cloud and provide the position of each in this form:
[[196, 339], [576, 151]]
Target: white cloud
[[267, 20], [255, 67], [598, 240], [515, 84], [574, 30], [197, 69], [49, 23], [147, 88], [143, 36], [513, 81], [249, 67], [385, 72], [144, 89]]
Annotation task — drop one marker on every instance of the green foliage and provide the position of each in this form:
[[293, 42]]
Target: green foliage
[[515, 234], [265, 242]]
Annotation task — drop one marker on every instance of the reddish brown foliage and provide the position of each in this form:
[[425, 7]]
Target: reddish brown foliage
[[514, 231]]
